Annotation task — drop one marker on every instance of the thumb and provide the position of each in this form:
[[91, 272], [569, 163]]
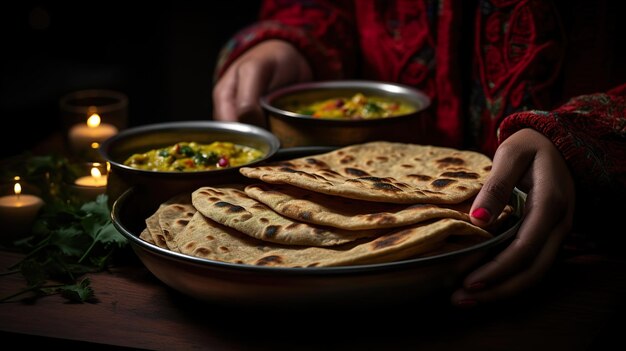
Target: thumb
[[489, 202], [507, 169]]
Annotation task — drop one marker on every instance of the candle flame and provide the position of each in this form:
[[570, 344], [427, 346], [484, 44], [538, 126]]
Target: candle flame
[[95, 172], [95, 145], [17, 188], [93, 121]]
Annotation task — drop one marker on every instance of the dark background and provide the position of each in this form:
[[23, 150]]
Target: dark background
[[162, 57]]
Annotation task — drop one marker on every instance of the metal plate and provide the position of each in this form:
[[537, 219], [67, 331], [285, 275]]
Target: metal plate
[[374, 284]]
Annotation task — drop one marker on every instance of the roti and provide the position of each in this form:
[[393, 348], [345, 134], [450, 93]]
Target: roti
[[231, 207], [384, 172], [153, 227], [172, 219], [146, 236], [340, 212], [205, 238]]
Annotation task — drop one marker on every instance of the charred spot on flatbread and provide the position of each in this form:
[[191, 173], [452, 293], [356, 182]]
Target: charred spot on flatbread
[[461, 174], [442, 182], [356, 172], [229, 207], [316, 162], [390, 240], [269, 260], [448, 161]]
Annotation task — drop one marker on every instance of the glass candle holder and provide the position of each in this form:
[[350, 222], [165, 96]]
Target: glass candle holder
[[19, 208], [90, 117], [89, 181]]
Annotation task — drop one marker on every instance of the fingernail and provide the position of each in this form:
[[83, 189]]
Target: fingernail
[[467, 303], [482, 214], [476, 286]]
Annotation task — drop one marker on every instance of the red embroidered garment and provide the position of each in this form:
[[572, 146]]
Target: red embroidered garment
[[490, 67]]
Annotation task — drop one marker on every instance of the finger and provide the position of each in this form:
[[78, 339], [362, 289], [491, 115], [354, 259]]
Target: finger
[[509, 165], [224, 94], [254, 79], [519, 282]]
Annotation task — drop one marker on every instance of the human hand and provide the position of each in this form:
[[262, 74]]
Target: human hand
[[267, 66], [527, 160]]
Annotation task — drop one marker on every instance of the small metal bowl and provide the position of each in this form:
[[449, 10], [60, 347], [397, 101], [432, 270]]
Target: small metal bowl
[[293, 129], [161, 184]]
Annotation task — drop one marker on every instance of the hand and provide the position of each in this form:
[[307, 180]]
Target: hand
[[267, 66], [530, 161]]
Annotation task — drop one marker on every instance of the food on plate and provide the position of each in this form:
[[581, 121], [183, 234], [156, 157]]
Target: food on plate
[[154, 229], [282, 223], [193, 156], [147, 236], [154, 225], [208, 239], [358, 106], [172, 219], [231, 207], [342, 212], [384, 172]]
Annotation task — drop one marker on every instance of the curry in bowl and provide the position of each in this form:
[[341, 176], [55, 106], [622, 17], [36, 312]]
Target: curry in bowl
[[193, 156], [164, 169], [346, 112], [359, 106]]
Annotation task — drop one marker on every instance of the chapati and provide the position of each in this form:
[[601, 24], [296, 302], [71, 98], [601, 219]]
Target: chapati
[[205, 238], [345, 213], [384, 172], [231, 207], [153, 227], [172, 219]]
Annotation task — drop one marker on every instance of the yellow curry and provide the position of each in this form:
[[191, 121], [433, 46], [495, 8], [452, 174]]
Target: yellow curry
[[358, 106], [192, 156]]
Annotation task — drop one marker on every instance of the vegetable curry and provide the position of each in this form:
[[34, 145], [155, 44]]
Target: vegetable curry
[[192, 156], [358, 106]]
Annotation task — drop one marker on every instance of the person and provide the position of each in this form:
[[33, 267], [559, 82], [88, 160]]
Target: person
[[534, 84]]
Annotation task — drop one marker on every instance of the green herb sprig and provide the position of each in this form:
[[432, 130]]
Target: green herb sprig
[[69, 239]]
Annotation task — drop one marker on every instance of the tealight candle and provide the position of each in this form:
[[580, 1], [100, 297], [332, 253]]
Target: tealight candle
[[18, 211], [83, 137], [89, 187]]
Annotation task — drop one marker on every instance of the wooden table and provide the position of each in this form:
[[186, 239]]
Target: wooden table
[[580, 307]]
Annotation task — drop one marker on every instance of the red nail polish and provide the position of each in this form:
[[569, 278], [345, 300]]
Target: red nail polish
[[482, 214]]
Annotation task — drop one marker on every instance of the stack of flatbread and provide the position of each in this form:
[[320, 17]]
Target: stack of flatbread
[[368, 203]]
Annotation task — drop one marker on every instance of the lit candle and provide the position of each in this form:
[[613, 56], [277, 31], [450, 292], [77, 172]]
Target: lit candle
[[18, 211], [89, 187], [83, 137]]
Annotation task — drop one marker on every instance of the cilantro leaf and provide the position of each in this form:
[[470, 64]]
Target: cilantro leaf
[[109, 235], [80, 292]]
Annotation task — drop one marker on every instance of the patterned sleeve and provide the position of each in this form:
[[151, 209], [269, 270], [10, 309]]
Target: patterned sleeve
[[590, 132], [323, 31]]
